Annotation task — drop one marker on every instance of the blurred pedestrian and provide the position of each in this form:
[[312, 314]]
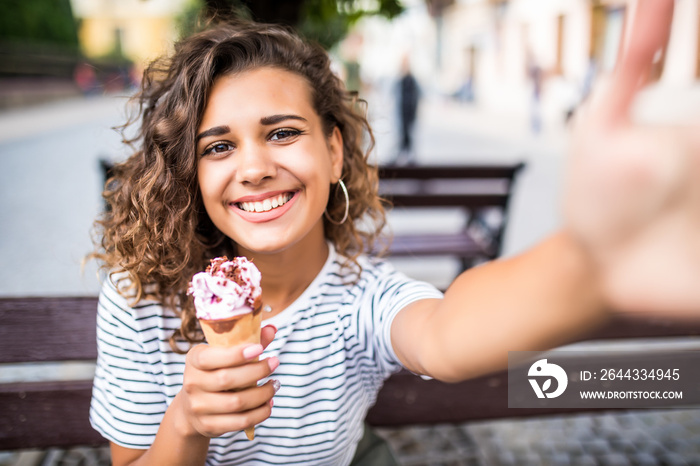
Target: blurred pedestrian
[[86, 78], [409, 97], [535, 72]]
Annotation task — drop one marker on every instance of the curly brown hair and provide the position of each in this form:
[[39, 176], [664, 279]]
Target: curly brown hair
[[156, 229]]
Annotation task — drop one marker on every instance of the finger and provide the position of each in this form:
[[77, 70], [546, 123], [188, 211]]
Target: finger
[[649, 32], [267, 334], [233, 402], [219, 424], [208, 358], [237, 377]]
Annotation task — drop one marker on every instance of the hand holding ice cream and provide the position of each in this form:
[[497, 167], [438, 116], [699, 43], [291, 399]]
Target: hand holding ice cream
[[228, 304]]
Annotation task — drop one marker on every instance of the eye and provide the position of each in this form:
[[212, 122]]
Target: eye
[[218, 148], [284, 134]]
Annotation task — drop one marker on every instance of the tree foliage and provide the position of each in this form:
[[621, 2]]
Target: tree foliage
[[38, 21], [324, 21]]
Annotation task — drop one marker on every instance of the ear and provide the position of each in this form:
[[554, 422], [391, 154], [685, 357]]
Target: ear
[[335, 147]]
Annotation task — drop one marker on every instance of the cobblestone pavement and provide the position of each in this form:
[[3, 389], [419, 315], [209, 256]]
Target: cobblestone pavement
[[632, 438]]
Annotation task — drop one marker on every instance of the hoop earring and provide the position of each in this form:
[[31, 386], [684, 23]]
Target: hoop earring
[[347, 206]]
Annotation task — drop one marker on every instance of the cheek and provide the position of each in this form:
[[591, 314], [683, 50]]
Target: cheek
[[210, 181]]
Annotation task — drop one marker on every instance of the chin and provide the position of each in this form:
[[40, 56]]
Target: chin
[[264, 246]]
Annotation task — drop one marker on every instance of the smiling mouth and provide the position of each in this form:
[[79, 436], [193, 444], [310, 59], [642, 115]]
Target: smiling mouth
[[266, 205]]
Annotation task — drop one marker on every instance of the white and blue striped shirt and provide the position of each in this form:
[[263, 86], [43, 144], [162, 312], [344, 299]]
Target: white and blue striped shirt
[[334, 348]]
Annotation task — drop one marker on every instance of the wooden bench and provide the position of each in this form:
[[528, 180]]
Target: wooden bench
[[480, 193], [54, 413]]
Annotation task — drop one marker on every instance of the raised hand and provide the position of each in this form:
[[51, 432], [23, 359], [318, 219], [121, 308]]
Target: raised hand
[[633, 193]]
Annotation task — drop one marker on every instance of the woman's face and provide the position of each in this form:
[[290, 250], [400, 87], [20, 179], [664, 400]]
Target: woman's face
[[264, 163]]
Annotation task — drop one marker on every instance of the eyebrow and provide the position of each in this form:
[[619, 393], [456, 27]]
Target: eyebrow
[[215, 131], [274, 119]]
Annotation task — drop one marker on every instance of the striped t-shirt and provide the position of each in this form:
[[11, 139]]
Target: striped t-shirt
[[334, 348]]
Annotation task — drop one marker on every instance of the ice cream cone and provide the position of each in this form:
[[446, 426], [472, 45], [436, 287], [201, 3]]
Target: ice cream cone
[[228, 304], [234, 331]]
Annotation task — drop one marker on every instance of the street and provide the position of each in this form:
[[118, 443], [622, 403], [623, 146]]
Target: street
[[50, 193]]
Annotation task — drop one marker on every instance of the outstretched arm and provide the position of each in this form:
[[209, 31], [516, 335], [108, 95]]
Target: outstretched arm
[[534, 301], [631, 240]]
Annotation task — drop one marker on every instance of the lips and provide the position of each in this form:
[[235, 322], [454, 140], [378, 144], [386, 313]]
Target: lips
[[266, 204], [266, 207]]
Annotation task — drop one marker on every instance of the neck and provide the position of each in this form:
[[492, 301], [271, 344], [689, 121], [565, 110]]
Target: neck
[[286, 274]]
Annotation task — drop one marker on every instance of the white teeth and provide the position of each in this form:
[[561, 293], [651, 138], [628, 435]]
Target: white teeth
[[267, 204]]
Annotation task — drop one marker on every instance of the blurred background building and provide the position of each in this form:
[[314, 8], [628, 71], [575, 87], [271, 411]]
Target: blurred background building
[[138, 30], [487, 51]]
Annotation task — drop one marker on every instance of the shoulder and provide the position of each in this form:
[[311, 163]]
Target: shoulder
[[119, 301], [378, 278]]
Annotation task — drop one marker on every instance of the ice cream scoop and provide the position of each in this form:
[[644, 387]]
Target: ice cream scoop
[[228, 288]]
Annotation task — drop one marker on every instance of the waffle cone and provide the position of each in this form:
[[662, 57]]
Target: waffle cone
[[234, 331]]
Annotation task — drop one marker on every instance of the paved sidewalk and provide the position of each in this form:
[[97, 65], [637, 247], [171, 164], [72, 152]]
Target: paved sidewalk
[[643, 438], [630, 438]]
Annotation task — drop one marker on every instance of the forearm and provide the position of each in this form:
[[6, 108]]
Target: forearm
[[537, 300], [176, 443]]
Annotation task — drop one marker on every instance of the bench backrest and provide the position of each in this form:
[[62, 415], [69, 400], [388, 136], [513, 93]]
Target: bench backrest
[[481, 193], [53, 412]]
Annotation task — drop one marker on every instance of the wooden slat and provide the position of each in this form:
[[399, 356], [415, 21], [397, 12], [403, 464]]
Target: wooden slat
[[450, 171], [47, 329], [46, 414], [624, 326], [448, 200], [406, 399], [458, 245]]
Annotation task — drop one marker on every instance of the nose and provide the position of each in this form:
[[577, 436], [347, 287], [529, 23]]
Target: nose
[[255, 164]]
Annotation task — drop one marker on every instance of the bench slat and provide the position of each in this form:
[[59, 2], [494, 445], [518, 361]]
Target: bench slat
[[448, 200], [409, 400], [450, 171], [457, 245], [47, 329], [46, 414]]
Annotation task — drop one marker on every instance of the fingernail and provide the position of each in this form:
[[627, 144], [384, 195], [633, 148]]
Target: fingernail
[[276, 385], [272, 403], [273, 362], [273, 327], [249, 352]]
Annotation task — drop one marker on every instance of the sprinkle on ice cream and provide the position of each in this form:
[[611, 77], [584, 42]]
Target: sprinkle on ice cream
[[228, 288]]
